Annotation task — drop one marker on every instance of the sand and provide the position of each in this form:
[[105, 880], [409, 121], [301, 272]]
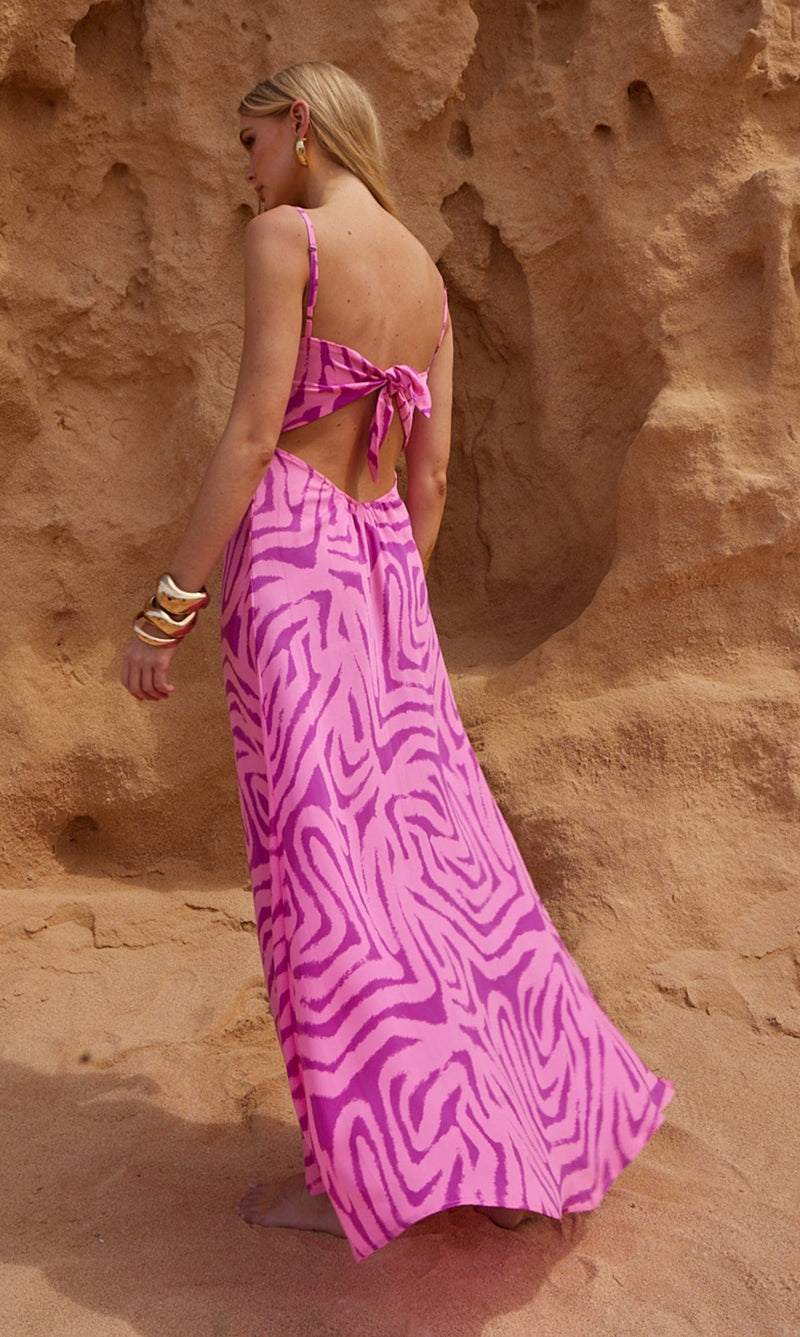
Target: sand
[[143, 1088]]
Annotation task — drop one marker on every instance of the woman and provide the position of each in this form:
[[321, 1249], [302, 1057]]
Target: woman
[[442, 1048]]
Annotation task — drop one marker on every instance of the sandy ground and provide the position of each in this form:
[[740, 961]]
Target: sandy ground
[[142, 1088]]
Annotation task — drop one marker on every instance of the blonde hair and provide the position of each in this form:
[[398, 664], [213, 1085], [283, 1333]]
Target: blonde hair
[[342, 116]]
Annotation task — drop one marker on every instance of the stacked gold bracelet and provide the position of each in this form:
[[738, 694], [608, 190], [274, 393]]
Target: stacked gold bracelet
[[171, 612]]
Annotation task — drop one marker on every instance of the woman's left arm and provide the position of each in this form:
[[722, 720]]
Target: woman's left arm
[[276, 272]]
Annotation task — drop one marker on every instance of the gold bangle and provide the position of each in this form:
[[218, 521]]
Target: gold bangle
[[164, 621], [173, 599], [145, 636], [171, 612]]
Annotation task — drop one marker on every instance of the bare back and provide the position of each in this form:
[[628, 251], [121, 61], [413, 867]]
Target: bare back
[[379, 293]]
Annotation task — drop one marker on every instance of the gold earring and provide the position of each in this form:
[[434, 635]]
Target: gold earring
[[300, 150]]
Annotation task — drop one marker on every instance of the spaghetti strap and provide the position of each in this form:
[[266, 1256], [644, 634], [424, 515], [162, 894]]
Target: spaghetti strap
[[313, 272], [444, 326]]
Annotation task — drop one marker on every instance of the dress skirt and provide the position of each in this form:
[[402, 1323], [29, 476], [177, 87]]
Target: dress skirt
[[441, 1045]]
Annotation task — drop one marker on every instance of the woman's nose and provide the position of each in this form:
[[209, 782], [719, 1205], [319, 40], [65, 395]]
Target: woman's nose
[[249, 174]]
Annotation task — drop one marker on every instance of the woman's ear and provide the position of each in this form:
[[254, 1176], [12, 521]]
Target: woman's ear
[[301, 115]]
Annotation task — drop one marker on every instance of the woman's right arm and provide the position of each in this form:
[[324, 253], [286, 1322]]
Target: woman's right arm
[[276, 270], [427, 453]]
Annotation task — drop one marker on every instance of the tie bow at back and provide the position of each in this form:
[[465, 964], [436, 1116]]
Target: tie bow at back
[[405, 389]]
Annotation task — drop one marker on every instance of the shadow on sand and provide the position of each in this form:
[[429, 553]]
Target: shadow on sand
[[128, 1211]]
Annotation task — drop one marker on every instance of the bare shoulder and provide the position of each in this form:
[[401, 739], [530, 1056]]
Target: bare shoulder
[[417, 259], [279, 224], [406, 243], [278, 237], [410, 238]]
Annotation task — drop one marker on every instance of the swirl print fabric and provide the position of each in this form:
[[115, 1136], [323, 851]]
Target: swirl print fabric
[[441, 1045]]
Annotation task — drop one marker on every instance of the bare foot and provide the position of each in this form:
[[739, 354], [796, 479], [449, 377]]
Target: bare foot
[[289, 1204], [507, 1217]]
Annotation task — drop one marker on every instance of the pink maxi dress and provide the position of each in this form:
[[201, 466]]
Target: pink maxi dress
[[441, 1045]]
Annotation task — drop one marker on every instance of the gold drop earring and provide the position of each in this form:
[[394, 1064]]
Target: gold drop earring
[[300, 150]]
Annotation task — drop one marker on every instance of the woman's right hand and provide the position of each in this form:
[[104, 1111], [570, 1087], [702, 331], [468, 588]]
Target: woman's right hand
[[144, 669]]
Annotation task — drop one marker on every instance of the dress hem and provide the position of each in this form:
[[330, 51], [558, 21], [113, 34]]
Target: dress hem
[[537, 1208]]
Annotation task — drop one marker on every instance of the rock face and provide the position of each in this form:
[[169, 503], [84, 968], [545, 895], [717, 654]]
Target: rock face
[[613, 194]]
